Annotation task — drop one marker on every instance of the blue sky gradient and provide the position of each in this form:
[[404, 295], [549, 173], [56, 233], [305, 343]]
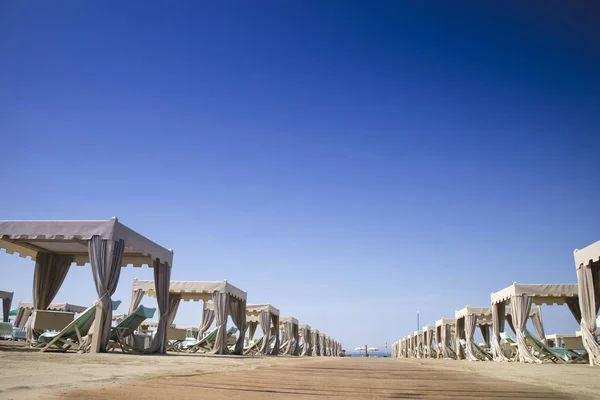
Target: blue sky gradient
[[349, 162]]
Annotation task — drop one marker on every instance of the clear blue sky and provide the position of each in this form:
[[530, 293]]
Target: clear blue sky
[[349, 162]]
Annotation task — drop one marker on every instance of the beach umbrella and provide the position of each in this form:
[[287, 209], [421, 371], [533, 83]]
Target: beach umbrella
[[373, 349], [360, 349]]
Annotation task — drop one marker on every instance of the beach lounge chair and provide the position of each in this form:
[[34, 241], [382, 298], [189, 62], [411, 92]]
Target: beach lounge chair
[[71, 334], [254, 346], [576, 349], [6, 330], [206, 343], [484, 354], [127, 327], [544, 352], [510, 346]]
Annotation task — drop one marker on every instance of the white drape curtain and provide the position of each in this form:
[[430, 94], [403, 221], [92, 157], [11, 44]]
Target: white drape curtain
[[265, 325], [252, 325], [470, 326], [208, 316], [322, 345], [6, 303], [498, 318], [106, 257], [162, 283], [588, 277], [275, 332], [460, 334], [136, 299], [521, 307], [221, 305], [315, 344], [306, 340], [538, 325], [238, 317], [48, 276], [446, 336]]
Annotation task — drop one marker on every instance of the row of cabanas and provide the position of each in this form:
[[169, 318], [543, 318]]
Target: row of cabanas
[[453, 338], [108, 246]]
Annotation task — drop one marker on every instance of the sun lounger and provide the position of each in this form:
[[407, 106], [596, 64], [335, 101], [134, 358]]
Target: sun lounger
[[6, 330], [71, 334], [127, 327], [545, 353], [510, 346], [206, 343], [254, 346], [175, 336]]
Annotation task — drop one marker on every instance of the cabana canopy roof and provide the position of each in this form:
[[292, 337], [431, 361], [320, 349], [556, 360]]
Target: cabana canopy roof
[[255, 309], [27, 238], [481, 312], [56, 307], [587, 254], [428, 328], [541, 293], [445, 321], [6, 295], [293, 320], [556, 336], [304, 326], [192, 290]]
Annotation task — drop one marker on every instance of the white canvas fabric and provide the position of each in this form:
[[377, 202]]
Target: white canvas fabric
[[305, 334], [467, 320], [587, 264], [540, 293], [268, 318], [445, 325], [316, 351]]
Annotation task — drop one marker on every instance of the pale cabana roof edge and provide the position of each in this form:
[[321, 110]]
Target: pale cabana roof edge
[[192, 290], [27, 238], [255, 309], [546, 293], [587, 254], [55, 307]]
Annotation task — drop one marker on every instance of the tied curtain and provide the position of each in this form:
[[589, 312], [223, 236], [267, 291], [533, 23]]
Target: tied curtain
[[48, 276], [106, 257], [470, 326], [275, 332], [238, 316], [438, 341], [208, 316], [521, 307], [588, 278], [498, 318], [306, 340], [460, 334], [485, 333], [573, 304], [287, 338], [538, 325], [315, 344], [221, 305], [136, 299], [252, 325], [322, 345], [430, 343], [446, 333], [265, 325], [167, 308]]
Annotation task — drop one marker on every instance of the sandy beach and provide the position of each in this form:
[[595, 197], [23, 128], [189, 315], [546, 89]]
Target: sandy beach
[[31, 375]]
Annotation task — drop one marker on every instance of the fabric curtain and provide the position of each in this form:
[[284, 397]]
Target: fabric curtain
[[445, 340], [48, 276], [6, 302], [252, 325], [265, 325], [315, 344], [221, 303], [536, 320], [275, 332], [460, 334], [521, 307], [470, 326], [106, 257], [588, 277], [306, 340], [136, 299], [498, 318], [208, 316], [22, 316], [174, 301], [573, 304], [238, 316], [511, 324], [162, 283], [485, 333], [323, 345]]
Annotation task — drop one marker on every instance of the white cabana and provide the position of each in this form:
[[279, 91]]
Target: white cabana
[[411, 345], [227, 301], [587, 264], [25, 309], [520, 297], [322, 344], [428, 340], [107, 246], [6, 303], [267, 317], [305, 335], [289, 335], [467, 320], [444, 330]]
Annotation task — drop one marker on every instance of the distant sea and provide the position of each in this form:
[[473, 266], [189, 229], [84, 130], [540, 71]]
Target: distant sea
[[371, 354]]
